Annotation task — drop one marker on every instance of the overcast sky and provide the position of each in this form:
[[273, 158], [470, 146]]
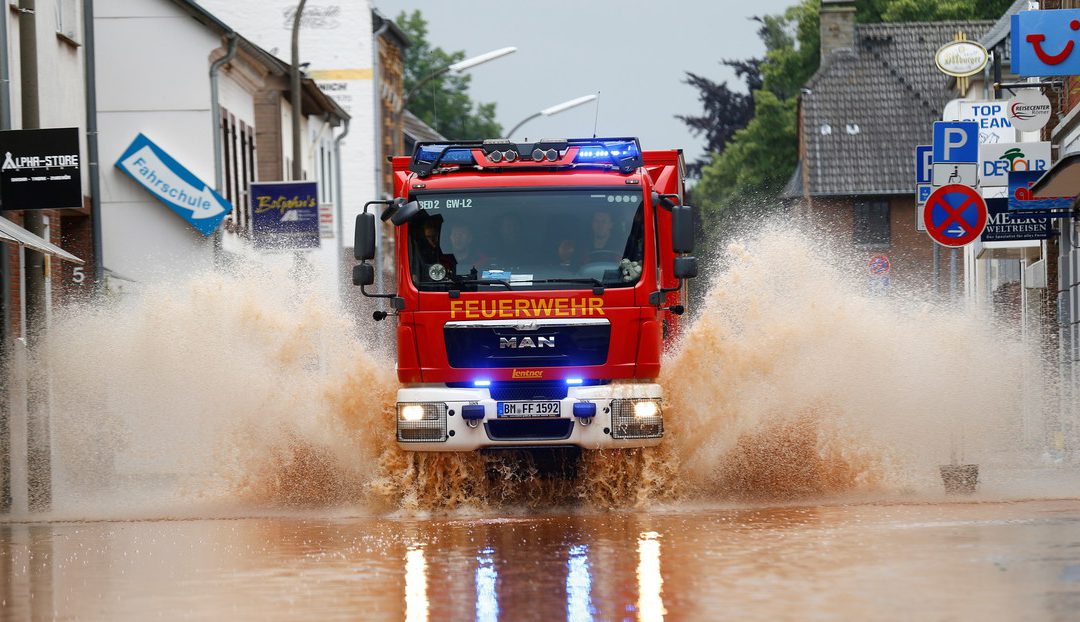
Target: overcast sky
[[634, 53]]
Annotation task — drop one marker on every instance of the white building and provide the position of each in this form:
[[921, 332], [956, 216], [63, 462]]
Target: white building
[[335, 39], [155, 60]]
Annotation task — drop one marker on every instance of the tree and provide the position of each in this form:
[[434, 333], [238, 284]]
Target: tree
[[726, 111], [444, 102]]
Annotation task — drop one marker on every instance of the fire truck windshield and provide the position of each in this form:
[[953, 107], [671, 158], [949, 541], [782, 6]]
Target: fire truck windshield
[[537, 239]]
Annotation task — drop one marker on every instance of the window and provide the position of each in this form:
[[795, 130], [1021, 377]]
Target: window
[[871, 223], [67, 20], [238, 160]]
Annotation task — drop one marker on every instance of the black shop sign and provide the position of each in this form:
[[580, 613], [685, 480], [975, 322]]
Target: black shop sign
[[40, 169]]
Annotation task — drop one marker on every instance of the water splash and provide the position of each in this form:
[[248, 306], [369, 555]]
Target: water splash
[[249, 388], [795, 379]]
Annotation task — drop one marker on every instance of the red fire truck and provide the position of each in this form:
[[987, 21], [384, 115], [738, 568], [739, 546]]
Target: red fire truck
[[537, 285]]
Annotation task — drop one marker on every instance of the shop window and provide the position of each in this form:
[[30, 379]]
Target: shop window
[[871, 223]]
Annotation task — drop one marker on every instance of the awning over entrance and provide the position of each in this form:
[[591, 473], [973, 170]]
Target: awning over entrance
[[1062, 180], [14, 234]]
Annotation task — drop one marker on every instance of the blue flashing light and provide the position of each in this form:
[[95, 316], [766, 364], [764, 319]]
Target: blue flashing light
[[454, 155], [574, 381], [481, 383], [607, 151]]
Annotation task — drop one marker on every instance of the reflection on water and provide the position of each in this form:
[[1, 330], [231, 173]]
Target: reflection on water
[[416, 600], [487, 599], [930, 561], [579, 607], [650, 581]]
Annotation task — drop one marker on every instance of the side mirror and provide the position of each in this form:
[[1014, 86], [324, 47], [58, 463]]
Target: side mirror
[[682, 229], [363, 274], [405, 213], [364, 240], [685, 267]]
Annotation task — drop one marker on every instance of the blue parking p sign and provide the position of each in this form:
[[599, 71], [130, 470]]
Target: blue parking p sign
[[956, 142], [924, 158]]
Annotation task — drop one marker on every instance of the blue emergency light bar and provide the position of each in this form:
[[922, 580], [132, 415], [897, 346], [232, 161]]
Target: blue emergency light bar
[[623, 154]]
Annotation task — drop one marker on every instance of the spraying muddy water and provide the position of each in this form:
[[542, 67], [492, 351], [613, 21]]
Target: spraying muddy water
[[244, 389]]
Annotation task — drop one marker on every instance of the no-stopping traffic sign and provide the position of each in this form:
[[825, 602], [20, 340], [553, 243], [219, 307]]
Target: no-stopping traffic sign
[[955, 215]]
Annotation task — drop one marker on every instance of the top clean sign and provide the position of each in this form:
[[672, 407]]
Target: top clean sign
[[1044, 43]]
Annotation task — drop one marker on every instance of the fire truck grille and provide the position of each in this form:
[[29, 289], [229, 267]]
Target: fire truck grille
[[530, 429], [500, 346], [524, 391]]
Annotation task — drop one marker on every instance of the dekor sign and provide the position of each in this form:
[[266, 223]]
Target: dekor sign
[[40, 169]]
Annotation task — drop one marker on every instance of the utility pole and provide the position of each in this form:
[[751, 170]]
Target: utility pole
[[294, 88], [39, 460]]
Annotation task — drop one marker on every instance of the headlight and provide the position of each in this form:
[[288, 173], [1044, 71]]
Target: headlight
[[636, 418], [423, 422], [412, 412], [645, 409], [437, 272]]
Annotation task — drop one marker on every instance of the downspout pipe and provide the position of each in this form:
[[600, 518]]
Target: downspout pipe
[[376, 85], [337, 185], [90, 72], [215, 106]]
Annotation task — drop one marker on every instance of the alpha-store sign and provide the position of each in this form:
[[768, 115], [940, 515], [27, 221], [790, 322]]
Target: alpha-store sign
[[40, 169]]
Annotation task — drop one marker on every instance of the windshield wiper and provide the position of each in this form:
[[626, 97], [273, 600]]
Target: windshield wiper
[[457, 281], [598, 286]]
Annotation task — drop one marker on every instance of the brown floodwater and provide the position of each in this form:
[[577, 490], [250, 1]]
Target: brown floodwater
[[886, 560]]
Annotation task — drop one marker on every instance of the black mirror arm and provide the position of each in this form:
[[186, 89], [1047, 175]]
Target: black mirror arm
[[657, 298]]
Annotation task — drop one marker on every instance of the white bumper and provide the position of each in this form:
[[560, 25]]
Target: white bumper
[[614, 424]]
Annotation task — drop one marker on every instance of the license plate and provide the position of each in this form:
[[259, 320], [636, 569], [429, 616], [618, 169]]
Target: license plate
[[529, 409]]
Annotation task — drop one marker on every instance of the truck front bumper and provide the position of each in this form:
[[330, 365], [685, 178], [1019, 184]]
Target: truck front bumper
[[441, 418]]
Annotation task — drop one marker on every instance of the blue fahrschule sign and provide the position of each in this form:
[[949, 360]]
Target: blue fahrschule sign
[[174, 185], [1044, 43], [285, 214]]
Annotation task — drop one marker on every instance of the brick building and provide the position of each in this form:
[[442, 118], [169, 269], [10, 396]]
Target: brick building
[[874, 98]]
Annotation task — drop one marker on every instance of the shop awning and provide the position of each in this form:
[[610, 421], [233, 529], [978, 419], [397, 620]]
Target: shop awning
[[1062, 180], [14, 234]]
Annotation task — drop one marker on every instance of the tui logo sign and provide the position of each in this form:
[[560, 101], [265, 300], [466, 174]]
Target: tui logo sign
[[1044, 43]]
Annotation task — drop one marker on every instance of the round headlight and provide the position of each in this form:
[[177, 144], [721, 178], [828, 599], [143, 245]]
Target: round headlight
[[538, 155], [552, 155], [495, 156], [437, 272], [511, 156]]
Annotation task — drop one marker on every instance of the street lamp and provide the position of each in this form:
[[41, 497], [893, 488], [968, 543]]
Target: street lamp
[[553, 110], [457, 67]]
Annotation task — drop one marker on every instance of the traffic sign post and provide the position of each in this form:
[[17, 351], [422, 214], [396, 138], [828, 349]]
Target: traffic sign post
[[955, 215]]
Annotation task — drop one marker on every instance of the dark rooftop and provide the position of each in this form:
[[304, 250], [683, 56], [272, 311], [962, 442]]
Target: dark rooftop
[[865, 110]]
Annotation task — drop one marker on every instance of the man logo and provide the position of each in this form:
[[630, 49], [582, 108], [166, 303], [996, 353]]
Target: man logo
[[526, 342]]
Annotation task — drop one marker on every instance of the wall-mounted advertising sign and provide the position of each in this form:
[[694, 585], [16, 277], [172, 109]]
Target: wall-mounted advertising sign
[[175, 186], [285, 214], [1001, 226], [1044, 43], [40, 169], [1029, 110], [1020, 199], [998, 160], [961, 59]]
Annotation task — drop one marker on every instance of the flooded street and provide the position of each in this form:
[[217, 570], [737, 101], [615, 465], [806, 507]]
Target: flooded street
[[798, 478], [886, 560]]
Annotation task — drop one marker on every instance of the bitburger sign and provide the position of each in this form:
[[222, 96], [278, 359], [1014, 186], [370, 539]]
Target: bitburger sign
[[961, 59], [40, 169]]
